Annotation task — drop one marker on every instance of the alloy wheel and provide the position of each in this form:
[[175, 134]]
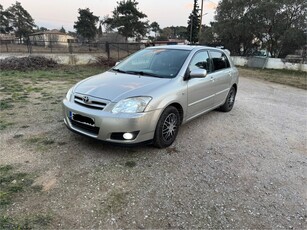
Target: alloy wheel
[[169, 127]]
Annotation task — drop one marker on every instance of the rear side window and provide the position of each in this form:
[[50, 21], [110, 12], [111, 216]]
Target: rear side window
[[220, 60]]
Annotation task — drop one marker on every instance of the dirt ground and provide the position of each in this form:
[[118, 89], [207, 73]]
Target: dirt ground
[[242, 169]]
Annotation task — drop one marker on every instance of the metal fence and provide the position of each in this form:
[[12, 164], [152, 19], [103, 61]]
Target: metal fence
[[115, 51], [118, 51]]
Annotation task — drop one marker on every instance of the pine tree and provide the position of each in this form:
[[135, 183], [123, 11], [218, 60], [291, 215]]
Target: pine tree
[[86, 24], [62, 30], [21, 20], [5, 21], [127, 19], [193, 24], [155, 27]]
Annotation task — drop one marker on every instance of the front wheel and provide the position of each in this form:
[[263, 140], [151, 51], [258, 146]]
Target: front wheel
[[230, 100], [167, 128]]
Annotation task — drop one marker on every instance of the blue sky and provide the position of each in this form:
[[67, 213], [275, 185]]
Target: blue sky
[[54, 14]]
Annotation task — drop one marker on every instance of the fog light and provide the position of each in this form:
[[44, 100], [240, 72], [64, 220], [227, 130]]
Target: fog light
[[124, 136], [128, 136]]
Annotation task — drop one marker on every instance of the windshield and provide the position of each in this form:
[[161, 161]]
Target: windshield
[[164, 63]]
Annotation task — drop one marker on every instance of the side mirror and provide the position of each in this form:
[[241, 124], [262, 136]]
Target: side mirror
[[198, 73], [117, 63]]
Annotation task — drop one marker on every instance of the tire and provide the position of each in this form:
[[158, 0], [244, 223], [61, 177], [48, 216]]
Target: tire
[[230, 100], [167, 128]]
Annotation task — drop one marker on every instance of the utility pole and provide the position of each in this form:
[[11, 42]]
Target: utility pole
[[191, 28], [201, 18]]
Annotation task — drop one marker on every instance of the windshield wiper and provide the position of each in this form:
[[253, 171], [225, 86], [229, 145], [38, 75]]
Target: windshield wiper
[[142, 73], [119, 70]]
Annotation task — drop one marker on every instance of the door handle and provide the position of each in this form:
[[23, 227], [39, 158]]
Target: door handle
[[212, 79]]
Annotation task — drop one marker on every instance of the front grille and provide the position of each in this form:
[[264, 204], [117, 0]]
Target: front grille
[[90, 102], [85, 128]]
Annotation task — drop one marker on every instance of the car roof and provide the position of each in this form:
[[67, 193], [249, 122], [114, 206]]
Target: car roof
[[183, 47]]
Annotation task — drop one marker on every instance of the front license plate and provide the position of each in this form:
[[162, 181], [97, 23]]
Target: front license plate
[[82, 119]]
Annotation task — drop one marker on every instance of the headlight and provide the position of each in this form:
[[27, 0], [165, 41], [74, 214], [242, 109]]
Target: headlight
[[131, 105], [69, 93]]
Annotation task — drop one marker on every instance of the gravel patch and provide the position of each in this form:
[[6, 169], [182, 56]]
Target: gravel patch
[[236, 170]]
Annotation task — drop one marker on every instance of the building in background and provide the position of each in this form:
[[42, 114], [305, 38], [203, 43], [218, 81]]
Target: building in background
[[50, 38]]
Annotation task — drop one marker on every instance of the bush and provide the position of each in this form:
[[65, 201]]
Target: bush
[[102, 61], [27, 63]]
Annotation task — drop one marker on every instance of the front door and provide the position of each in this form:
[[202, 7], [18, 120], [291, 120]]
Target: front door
[[200, 90]]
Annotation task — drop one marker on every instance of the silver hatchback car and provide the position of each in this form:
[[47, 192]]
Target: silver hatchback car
[[147, 96]]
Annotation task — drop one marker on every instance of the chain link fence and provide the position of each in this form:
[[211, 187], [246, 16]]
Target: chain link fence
[[114, 51]]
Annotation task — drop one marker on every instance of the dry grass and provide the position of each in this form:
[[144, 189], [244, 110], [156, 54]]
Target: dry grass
[[286, 77]]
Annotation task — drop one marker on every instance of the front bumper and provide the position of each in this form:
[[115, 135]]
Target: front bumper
[[106, 124]]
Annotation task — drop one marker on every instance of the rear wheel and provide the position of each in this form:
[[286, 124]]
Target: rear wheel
[[230, 100], [167, 128]]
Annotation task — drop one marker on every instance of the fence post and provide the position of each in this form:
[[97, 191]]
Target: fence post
[[29, 45], [69, 45], [51, 46], [117, 52], [108, 50], [7, 48]]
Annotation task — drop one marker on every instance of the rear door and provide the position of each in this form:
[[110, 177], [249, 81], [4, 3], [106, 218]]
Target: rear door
[[221, 73], [200, 90]]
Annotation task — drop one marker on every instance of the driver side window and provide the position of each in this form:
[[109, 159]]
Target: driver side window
[[200, 60]]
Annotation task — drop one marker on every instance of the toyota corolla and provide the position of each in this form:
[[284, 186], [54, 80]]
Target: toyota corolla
[[147, 96]]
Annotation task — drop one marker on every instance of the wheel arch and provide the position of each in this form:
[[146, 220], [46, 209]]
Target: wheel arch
[[235, 86], [179, 108]]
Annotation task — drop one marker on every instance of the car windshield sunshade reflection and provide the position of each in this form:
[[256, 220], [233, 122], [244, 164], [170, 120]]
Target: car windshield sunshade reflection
[[162, 63]]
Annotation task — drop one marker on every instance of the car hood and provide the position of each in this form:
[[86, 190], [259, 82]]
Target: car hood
[[116, 86]]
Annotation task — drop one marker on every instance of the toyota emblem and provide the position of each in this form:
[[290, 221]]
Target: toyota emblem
[[85, 99]]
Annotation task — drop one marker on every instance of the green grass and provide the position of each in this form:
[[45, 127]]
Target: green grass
[[17, 81], [4, 125], [30, 89], [19, 96], [62, 73], [39, 140], [36, 221], [12, 184], [39, 143], [17, 136], [286, 77], [6, 104], [18, 86]]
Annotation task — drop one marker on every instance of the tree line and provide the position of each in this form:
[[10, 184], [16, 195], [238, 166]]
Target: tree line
[[16, 19], [242, 26], [245, 26]]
